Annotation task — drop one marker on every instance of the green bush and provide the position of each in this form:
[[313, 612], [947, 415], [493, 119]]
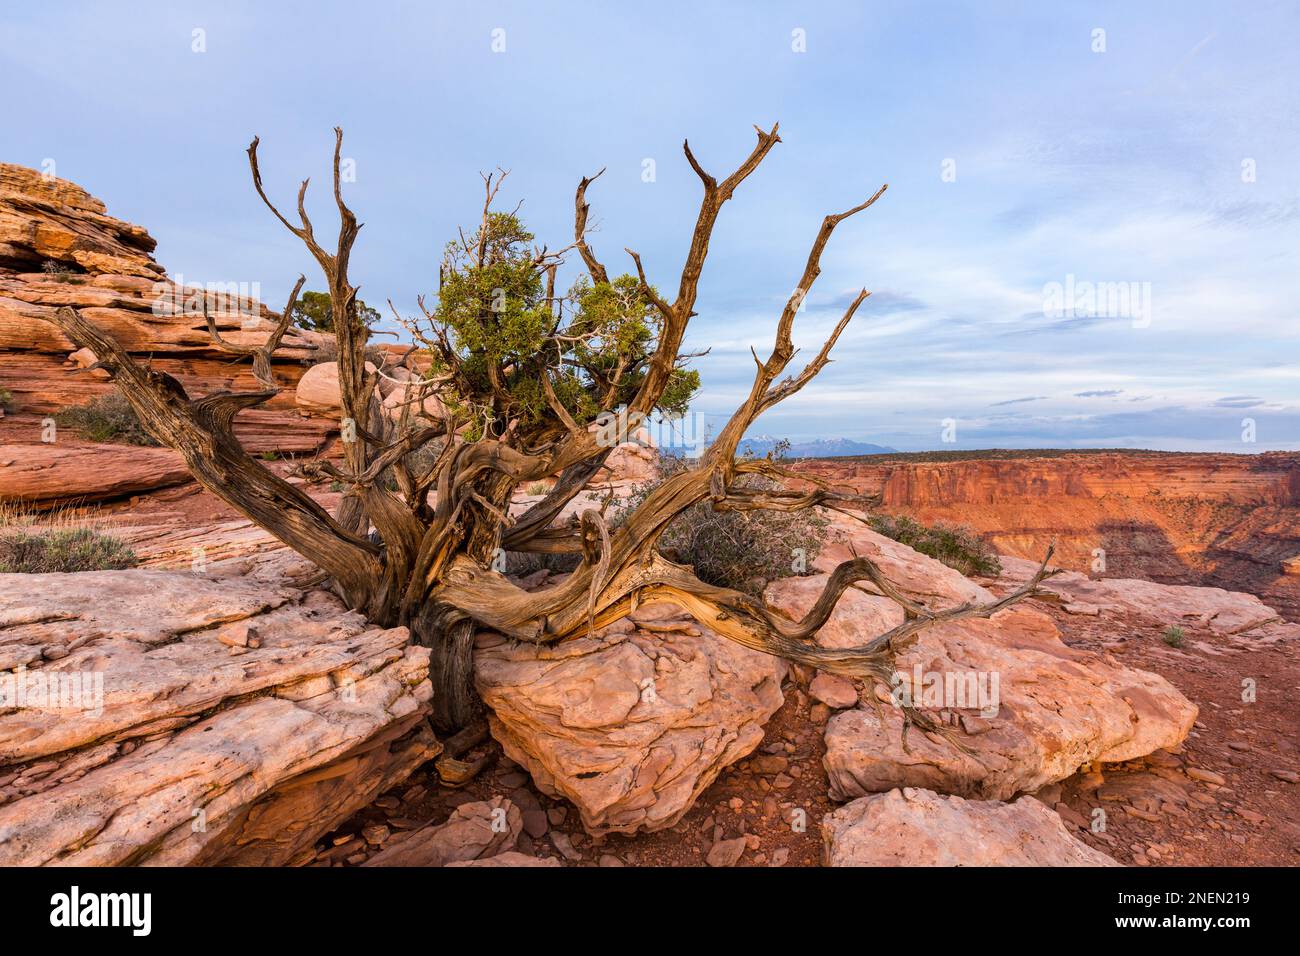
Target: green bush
[[109, 418], [6, 400], [954, 545], [742, 550], [32, 551], [1174, 635]]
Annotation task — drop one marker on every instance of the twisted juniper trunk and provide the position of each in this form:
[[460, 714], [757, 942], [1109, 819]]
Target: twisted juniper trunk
[[446, 630], [450, 639]]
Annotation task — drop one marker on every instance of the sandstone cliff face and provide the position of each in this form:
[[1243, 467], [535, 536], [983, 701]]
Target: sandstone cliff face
[[1226, 520], [58, 246]]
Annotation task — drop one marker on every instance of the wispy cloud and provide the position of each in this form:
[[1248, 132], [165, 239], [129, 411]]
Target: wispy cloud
[[1019, 401]]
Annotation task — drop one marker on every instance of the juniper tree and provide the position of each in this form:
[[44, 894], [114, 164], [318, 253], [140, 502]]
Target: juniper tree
[[521, 371]]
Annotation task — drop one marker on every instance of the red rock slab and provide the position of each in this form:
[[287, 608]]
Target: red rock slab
[[43, 475]]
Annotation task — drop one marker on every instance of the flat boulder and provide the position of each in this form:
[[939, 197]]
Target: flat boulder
[[474, 832], [629, 725], [1214, 609], [911, 827]]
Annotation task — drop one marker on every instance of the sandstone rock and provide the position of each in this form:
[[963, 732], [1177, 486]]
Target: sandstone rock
[[1217, 610], [180, 753], [398, 397], [630, 727], [41, 475], [44, 220], [631, 462], [104, 268], [912, 827], [1058, 709], [922, 578], [833, 691], [318, 389], [726, 852], [474, 831], [856, 614], [1054, 708], [1206, 776]]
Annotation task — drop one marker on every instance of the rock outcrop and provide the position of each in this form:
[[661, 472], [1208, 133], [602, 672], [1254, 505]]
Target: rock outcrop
[[167, 718], [629, 725], [1028, 708], [911, 827], [43, 475], [1214, 609], [59, 247]]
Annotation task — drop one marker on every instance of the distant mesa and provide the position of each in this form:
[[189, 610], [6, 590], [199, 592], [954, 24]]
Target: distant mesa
[[818, 448]]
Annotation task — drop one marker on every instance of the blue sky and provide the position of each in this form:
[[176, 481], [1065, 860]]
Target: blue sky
[[1071, 165]]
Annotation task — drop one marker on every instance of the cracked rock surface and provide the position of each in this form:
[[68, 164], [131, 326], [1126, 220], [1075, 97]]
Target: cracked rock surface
[[629, 725], [200, 720]]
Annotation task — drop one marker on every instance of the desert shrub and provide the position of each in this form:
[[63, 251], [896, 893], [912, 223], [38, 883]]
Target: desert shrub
[[6, 400], [62, 273], [36, 551], [954, 545], [742, 550], [1174, 635], [109, 418]]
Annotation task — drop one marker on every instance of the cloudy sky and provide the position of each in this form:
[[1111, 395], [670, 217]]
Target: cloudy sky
[[1031, 151]]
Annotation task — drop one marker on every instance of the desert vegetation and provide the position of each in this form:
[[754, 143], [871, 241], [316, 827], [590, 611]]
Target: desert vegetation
[[61, 539], [955, 545], [109, 418], [740, 550]]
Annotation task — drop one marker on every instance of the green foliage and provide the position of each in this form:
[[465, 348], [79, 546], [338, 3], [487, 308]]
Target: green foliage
[[31, 551], [6, 400], [1173, 635], [742, 550], [312, 311], [954, 545], [109, 418], [498, 337]]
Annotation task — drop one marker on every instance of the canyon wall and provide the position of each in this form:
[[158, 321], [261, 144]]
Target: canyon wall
[[1214, 519]]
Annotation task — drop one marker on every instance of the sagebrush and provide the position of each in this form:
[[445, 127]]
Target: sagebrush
[[35, 551], [742, 550], [955, 545], [109, 418]]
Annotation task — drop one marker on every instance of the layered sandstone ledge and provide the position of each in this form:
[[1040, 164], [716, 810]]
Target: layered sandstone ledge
[[168, 718]]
